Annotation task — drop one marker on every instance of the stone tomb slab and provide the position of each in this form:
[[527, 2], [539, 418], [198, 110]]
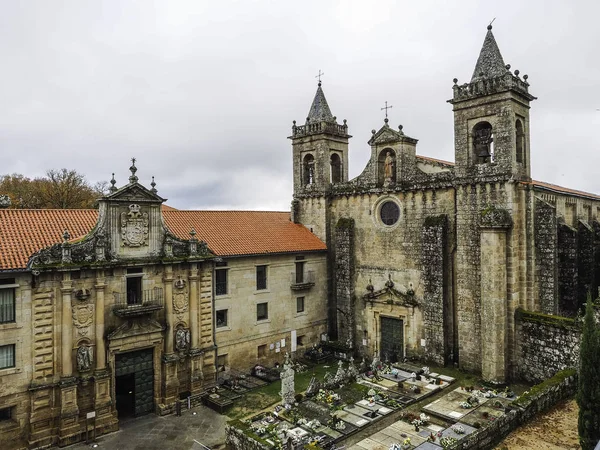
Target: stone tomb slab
[[362, 412], [449, 432], [369, 444], [352, 419], [448, 406]]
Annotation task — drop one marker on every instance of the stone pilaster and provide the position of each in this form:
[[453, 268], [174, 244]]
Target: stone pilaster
[[69, 430], [67, 326], [344, 280], [168, 280], [437, 317], [194, 326], [106, 418], [100, 346]]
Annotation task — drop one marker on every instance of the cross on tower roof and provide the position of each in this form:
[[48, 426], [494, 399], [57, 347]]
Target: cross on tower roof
[[386, 109], [319, 76]]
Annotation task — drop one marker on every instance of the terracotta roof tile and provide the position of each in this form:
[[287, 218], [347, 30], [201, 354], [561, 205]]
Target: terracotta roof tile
[[564, 190], [25, 231], [228, 233]]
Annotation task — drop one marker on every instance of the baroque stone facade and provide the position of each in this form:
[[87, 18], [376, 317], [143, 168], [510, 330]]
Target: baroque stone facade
[[432, 259]]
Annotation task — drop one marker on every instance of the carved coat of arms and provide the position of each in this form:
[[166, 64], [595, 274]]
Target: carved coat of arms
[[134, 227]]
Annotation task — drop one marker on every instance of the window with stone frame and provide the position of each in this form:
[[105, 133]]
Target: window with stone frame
[[389, 213], [300, 341], [520, 141], [221, 287], [222, 318], [299, 304], [7, 300], [7, 356], [262, 311], [336, 168], [261, 278]]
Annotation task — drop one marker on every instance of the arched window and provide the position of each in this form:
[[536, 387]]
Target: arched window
[[520, 142], [308, 169], [483, 143], [386, 163], [336, 168]]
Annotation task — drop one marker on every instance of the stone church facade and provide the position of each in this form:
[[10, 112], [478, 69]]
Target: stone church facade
[[432, 259]]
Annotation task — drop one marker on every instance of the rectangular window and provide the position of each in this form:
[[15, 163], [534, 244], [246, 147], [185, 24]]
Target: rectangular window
[[299, 304], [300, 271], [261, 278], [7, 300], [221, 282], [262, 350], [299, 341], [134, 290], [221, 318], [262, 311], [7, 356], [6, 414]]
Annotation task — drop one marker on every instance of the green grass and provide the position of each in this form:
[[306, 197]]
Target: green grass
[[259, 399]]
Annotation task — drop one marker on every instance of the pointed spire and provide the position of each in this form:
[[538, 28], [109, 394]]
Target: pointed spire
[[319, 110], [490, 63]]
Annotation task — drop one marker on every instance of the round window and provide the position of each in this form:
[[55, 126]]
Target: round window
[[389, 213]]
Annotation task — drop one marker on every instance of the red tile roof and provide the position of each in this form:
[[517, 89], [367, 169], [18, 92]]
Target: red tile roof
[[228, 233], [25, 231], [564, 190]]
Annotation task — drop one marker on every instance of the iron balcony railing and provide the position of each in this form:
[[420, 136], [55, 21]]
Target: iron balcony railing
[[136, 303]]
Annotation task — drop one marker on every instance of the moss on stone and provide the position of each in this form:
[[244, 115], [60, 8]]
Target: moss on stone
[[547, 319], [525, 399], [345, 223], [435, 221]]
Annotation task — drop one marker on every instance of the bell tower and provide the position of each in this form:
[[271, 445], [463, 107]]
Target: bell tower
[[491, 119], [320, 149]]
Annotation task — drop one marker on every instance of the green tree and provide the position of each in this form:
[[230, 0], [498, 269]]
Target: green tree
[[588, 394]]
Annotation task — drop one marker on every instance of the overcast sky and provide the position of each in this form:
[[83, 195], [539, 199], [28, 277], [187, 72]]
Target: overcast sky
[[203, 93]]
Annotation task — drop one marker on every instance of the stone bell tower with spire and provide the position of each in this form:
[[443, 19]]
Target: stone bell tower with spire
[[491, 118], [320, 160]]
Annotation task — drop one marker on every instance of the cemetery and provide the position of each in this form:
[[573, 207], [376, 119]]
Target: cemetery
[[373, 406]]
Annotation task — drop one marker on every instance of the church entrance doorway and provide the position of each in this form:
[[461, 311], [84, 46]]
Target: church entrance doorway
[[134, 382], [392, 339]]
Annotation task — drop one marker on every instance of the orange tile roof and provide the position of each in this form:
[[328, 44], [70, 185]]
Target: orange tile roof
[[231, 233], [25, 231], [435, 160], [228, 233]]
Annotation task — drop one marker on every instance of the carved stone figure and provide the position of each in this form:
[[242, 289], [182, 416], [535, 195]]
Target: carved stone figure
[[84, 358], [388, 167], [134, 227], [182, 339]]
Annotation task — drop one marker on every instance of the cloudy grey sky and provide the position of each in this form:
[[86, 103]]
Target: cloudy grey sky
[[203, 93]]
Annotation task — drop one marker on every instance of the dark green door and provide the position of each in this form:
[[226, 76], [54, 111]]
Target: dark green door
[[140, 365], [392, 339]]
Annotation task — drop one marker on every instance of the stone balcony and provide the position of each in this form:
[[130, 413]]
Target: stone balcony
[[131, 304], [306, 281]]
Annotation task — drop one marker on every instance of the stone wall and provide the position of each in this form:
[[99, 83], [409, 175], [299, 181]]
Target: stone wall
[[546, 256], [239, 340], [546, 345], [436, 318], [539, 399], [567, 270]]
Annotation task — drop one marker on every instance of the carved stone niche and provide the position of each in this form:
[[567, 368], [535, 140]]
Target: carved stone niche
[[85, 357], [182, 339]]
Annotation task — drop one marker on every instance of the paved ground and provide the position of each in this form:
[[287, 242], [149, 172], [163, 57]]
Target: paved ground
[[199, 431]]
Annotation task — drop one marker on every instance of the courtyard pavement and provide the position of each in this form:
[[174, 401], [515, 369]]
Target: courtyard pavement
[[200, 431]]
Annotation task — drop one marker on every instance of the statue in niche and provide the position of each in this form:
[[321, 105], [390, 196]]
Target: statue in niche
[[182, 339], [84, 358], [388, 167]]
